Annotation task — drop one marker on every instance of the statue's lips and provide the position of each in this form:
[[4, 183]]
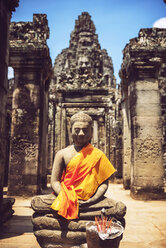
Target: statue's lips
[[81, 140]]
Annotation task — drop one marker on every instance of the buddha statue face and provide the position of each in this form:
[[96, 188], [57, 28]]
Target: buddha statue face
[[81, 129], [81, 133]]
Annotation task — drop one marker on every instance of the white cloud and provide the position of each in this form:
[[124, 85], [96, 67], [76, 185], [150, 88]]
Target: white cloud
[[10, 73], [160, 23]]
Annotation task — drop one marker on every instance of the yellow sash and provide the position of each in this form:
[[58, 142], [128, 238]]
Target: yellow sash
[[84, 173]]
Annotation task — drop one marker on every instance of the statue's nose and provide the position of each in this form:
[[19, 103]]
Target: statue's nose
[[81, 132]]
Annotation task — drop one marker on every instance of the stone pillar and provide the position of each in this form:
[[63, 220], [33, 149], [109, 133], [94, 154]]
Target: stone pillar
[[31, 62], [6, 7], [162, 87], [126, 137], [142, 59], [118, 149]]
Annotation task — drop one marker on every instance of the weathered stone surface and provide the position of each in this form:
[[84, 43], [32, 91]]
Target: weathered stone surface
[[47, 222], [83, 80], [142, 86], [83, 64], [60, 237], [6, 209], [6, 8], [30, 34], [42, 203], [29, 56]]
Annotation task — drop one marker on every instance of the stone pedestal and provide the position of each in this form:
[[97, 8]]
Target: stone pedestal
[[52, 230], [31, 62], [143, 58]]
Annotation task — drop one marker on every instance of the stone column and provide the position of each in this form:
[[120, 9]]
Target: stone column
[[162, 87], [107, 133], [6, 8], [31, 63], [118, 149], [142, 59], [126, 136]]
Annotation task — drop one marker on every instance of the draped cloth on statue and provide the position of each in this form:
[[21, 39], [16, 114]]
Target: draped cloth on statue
[[84, 173]]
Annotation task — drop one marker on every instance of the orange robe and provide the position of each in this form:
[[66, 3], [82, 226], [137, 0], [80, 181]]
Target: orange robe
[[84, 173]]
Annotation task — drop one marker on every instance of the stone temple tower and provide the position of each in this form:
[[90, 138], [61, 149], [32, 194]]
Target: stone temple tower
[[83, 79]]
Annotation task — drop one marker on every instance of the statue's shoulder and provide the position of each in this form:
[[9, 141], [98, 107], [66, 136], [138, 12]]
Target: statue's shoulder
[[67, 154], [65, 151]]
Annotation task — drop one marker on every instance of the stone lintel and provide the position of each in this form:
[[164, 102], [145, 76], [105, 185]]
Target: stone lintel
[[143, 56], [88, 99], [82, 91], [26, 57], [26, 61], [77, 105]]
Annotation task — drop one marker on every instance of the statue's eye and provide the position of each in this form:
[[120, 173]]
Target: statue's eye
[[77, 130]]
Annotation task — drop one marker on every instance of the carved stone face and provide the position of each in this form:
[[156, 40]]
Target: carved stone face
[[81, 133], [84, 65], [83, 62]]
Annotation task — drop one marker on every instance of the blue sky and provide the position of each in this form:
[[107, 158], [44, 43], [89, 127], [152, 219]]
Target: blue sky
[[116, 21]]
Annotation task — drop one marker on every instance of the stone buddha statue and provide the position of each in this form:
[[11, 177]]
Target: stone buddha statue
[[79, 181]]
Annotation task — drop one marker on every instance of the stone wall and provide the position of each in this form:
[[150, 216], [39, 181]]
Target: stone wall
[[6, 8], [83, 79], [29, 57], [143, 90]]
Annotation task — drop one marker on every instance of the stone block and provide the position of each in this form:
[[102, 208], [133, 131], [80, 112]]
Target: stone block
[[60, 237], [147, 149], [147, 193], [144, 126], [148, 183], [146, 85], [148, 97], [147, 170], [145, 101], [47, 222]]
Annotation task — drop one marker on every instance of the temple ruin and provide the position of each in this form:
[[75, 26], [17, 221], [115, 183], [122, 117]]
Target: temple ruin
[[143, 75], [83, 79], [6, 7], [30, 59], [129, 122]]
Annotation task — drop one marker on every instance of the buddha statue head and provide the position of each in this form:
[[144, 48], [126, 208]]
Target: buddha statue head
[[81, 129]]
